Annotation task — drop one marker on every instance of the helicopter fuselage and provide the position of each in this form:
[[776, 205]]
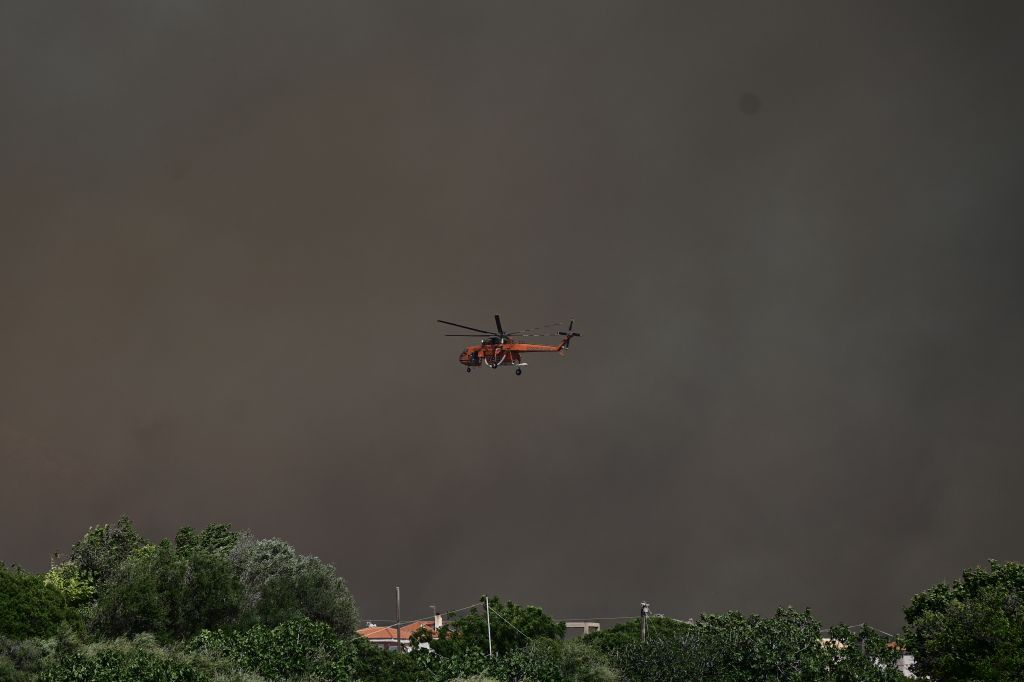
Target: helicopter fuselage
[[499, 354]]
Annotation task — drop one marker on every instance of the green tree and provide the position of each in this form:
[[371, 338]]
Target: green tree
[[28, 606], [371, 663], [73, 584], [211, 592], [625, 634], [170, 593], [217, 538], [136, 599], [864, 655], [512, 627], [211, 579], [278, 584], [101, 551], [972, 629]]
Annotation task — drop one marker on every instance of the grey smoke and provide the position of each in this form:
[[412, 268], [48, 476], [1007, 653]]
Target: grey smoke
[[226, 230]]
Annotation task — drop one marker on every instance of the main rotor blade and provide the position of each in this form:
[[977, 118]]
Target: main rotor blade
[[497, 321], [475, 336], [533, 329], [472, 329]]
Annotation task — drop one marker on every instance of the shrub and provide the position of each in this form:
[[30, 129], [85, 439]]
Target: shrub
[[122, 660], [734, 647], [297, 648], [29, 607], [23, 659], [548, 660]]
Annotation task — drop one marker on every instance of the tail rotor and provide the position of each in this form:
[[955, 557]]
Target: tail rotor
[[567, 336]]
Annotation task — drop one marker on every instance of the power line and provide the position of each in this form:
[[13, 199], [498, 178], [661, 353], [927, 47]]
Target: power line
[[406, 622], [512, 626]]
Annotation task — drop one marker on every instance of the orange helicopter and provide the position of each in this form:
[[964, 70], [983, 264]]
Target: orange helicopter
[[499, 348]]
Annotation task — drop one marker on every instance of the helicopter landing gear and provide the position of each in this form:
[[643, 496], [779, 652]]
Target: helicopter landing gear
[[468, 370], [519, 371]]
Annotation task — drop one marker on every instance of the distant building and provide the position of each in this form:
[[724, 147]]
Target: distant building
[[903, 663], [905, 660], [384, 636], [578, 628]]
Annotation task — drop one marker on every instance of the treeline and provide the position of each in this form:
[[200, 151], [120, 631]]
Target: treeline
[[218, 605]]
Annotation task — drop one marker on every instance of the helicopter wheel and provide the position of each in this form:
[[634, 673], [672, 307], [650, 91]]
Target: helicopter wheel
[[468, 370], [519, 370]]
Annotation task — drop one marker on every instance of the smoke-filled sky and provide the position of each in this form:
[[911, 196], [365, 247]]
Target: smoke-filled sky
[[791, 234]]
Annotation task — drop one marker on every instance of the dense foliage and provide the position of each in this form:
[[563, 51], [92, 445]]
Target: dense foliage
[[548, 660], [972, 629], [169, 591], [216, 605], [104, 548], [512, 626], [74, 585], [212, 579], [300, 648], [120, 660], [22, 660], [541, 660], [626, 634], [28, 606], [278, 585], [305, 649], [735, 648]]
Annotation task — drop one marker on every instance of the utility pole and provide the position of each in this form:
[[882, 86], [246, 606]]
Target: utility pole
[[398, 618], [490, 647], [645, 609]]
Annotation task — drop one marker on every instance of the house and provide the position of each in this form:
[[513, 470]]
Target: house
[[905, 660], [903, 663], [384, 636]]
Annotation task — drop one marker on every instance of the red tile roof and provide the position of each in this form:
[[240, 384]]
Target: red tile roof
[[380, 632]]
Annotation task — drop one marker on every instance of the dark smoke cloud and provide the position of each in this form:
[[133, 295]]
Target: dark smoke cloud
[[789, 232]]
